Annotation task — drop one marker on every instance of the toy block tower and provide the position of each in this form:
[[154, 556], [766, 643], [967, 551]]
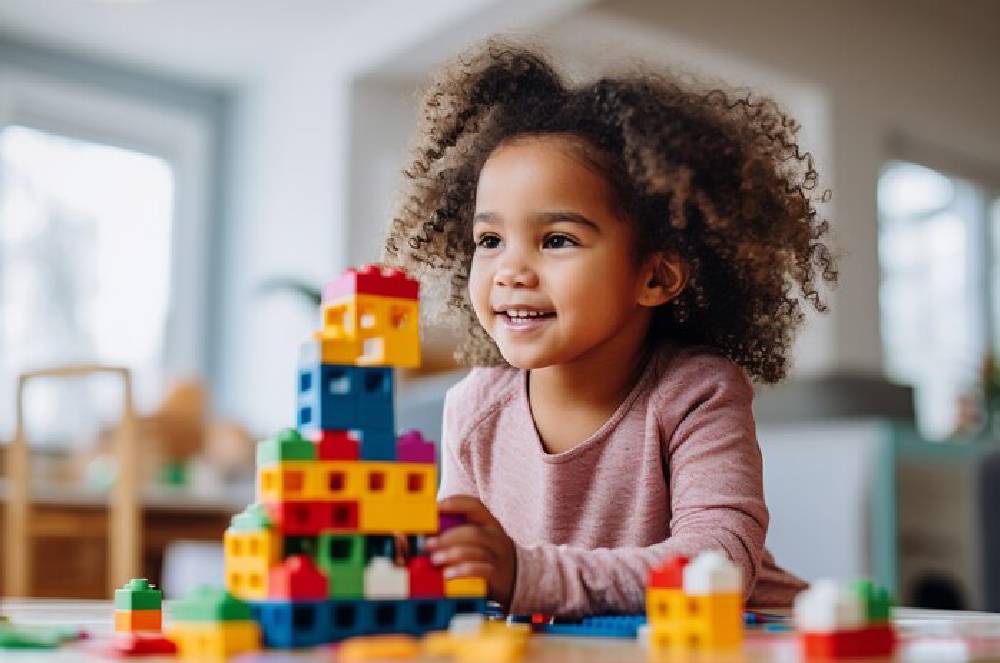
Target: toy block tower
[[840, 622], [695, 606], [138, 607], [333, 548]]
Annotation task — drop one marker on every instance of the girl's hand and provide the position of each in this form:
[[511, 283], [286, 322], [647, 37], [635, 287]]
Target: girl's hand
[[479, 548]]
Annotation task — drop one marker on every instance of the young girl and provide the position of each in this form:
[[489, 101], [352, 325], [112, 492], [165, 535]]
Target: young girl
[[625, 256]]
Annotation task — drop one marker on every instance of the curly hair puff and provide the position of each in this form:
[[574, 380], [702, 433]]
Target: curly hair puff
[[713, 177]]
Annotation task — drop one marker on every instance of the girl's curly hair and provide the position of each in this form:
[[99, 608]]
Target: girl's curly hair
[[714, 178]]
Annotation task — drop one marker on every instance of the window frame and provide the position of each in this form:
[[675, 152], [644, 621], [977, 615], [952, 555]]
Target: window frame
[[182, 138]]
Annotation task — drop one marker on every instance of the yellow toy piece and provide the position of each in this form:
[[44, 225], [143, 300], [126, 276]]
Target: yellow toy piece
[[494, 643], [464, 587], [249, 557], [327, 348], [214, 641], [384, 327], [336, 480], [688, 623], [285, 481], [378, 648], [398, 497]]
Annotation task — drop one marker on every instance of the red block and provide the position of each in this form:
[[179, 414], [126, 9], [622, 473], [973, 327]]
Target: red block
[[426, 580], [297, 578], [336, 445], [307, 518], [871, 642], [342, 516], [372, 279], [670, 574], [127, 645]]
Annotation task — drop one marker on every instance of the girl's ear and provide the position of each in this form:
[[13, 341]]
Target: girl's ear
[[662, 279]]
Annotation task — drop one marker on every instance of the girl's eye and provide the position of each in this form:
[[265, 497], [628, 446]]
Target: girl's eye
[[488, 242], [558, 242]]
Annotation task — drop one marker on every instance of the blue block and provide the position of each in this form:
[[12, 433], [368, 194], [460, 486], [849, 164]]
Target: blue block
[[345, 397], [287, 624], [377, 444], [601, 626], [374, 391], [347, 618], [430, 614]]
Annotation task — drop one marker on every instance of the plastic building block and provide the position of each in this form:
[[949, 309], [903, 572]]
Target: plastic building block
[[249, 556], [336, 444], [128, 645], [492, 643], [310, 518], [285, 481], [214, 641], [286, 445], [712, 573], [875, 601], [127, 621], [253, 518], [209, 604], [411, 447], [330, 348], [342, 559], [294, 623], [471, 586], [385, 327], [346, 397], [378, 648], [869, 643], [602, 626], [377, 443], [828, 606], [425, 579], [372, 279], [297, 578], [138, 594], [384, 580], [35, 637], [448, 520], [399, 497], [670, 574]]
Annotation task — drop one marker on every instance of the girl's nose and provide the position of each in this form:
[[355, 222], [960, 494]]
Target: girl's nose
[[515, 276]]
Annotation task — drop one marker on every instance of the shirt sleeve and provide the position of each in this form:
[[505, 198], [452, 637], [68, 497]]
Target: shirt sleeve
[[456, 472], [716, 502]]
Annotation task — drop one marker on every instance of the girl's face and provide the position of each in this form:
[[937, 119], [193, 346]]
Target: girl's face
[[553, 276]]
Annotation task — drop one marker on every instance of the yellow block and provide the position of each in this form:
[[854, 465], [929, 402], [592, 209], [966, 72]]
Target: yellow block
[[385, 328], [330, 348], [491, 645], [214, 641], [286, 481], [464, 587], [377, 647], [712, 622], [249, 557], [398, 497], [128, 621], [336, 480]]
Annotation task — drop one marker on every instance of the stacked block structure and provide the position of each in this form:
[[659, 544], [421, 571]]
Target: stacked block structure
[[837, 621], [333, 548], [695, 606]]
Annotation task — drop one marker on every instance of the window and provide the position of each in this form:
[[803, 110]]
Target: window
[[102, 248], [936, 275]]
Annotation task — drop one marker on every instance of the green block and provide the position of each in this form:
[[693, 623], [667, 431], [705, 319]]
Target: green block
[[252, 519], [138, 594], [342, 560], [210, 604], [35, 637], [286, 445], [875, 599]]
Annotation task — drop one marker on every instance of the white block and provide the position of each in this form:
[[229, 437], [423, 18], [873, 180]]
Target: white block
[[828, 606], [711, 572], [385, 580]]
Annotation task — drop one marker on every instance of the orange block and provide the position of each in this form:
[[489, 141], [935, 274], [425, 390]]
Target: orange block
[[127, 621]]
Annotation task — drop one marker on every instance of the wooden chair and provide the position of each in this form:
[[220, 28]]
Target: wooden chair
[[124, 521]]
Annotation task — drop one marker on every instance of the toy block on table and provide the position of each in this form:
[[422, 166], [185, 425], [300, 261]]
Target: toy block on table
[[601, 626], [705, 613], [212, 624], [138, 606], [842, 622], [378, 648], [252, 547]]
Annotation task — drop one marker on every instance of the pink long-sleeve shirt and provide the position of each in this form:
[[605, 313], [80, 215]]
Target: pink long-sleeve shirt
[[675, 470]]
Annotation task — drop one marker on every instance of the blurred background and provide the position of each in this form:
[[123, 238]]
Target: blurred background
[[178, 177]]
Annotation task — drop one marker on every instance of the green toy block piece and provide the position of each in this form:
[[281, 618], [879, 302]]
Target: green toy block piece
[[35, 637], [252, 519], [286, 445], [210, 604], [342, 560], [875, 599], [138, 594]]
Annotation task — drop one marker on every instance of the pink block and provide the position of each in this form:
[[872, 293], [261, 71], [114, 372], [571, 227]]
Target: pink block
[[411, 447], [448, 520]]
